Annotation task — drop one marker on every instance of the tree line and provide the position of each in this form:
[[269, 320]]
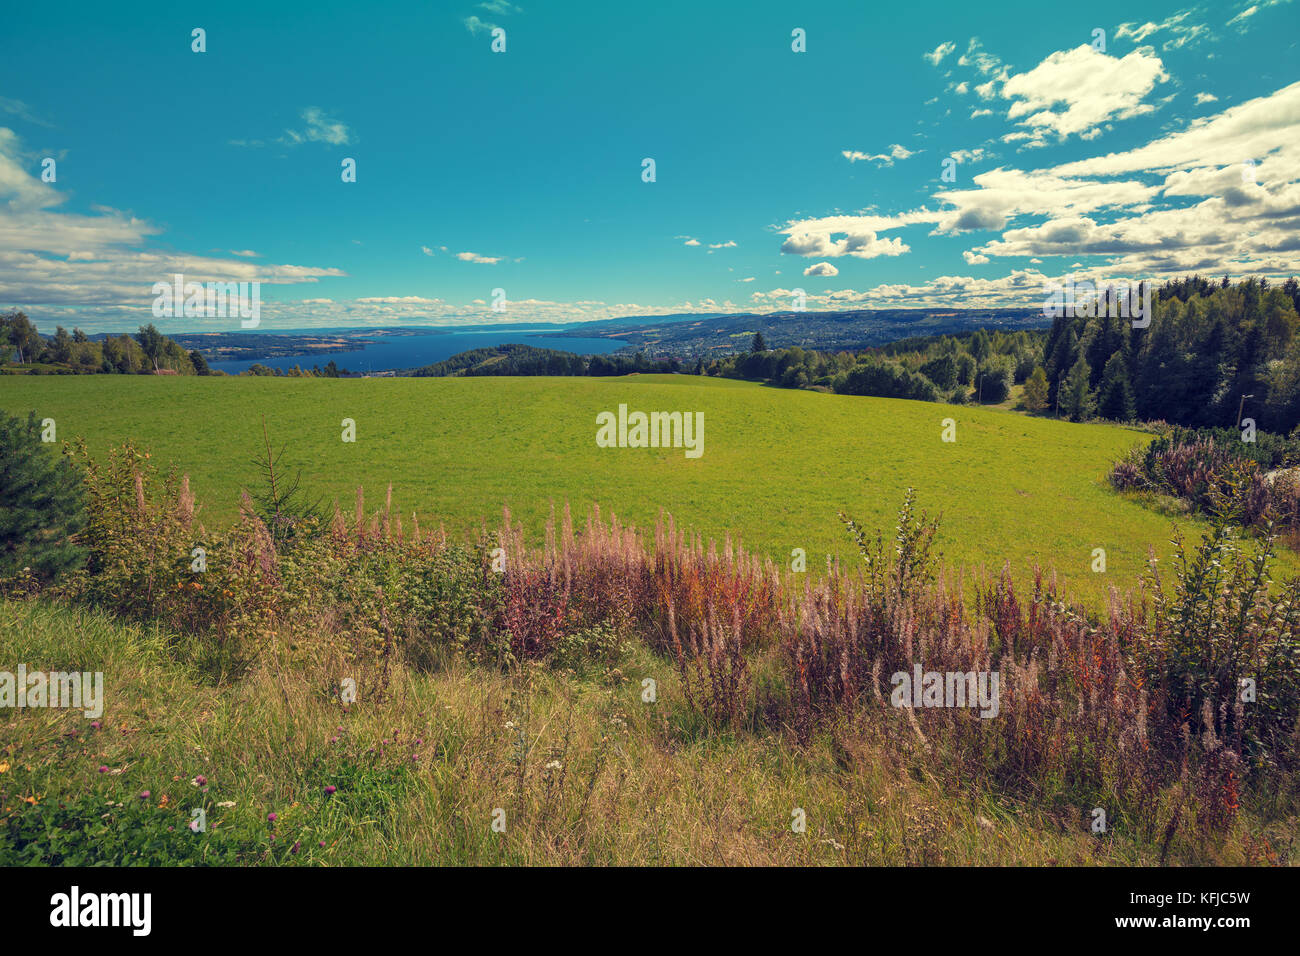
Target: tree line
[[1213, 354], [24, 349], [530, 360]]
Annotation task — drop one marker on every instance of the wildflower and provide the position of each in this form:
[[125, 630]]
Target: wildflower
[[510, 725], [330, 789], [226, 804], [294, 849], [199, 781], [145, 795], [271, 818], [101, 769], [554, 765], [94, 725]]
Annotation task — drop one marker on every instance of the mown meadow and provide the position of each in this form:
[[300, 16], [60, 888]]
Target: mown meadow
[[777, 467]]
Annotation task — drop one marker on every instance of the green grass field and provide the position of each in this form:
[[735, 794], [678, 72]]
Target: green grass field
[[777, 464]]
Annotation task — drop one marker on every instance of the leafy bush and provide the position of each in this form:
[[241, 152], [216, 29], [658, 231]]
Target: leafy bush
[[1218, 479]]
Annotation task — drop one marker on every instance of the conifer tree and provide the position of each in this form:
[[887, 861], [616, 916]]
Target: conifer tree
[[1115, 400], [1076, 397], [41, 503]]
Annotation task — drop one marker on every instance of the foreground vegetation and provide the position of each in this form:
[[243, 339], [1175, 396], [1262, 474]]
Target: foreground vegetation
[[605, 698], [776, 468], [462, 742]]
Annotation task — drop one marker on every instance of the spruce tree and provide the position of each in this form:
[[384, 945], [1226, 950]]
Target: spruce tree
[[41, 503], [1116, 397], [1076, 397]]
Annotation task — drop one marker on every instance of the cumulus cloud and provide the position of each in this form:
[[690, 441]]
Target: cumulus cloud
[[836, 236], [1220, 193], [105, 260], [481, 260], [1072, 92], [821, 269]]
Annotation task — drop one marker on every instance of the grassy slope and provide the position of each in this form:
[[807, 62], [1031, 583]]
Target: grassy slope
[[420, 772], [778, 464]]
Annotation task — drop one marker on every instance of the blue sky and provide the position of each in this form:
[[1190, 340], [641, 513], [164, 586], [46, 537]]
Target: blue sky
[[1174, 148]]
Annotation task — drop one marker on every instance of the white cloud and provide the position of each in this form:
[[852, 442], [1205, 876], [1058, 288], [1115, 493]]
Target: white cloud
[[481, 260], [939, 52], [1181, 32], [979, 58], [320, 129], [896, 151], [1073, 91], [103, 260], [830, 237], [821, 269], [474, 25]]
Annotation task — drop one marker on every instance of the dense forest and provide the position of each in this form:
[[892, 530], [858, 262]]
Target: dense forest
[[1213, 352]]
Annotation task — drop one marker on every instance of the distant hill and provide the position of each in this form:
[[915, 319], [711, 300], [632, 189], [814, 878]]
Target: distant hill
[[706, 336]]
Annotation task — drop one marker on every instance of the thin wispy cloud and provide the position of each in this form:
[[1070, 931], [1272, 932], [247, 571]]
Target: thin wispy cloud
[[896, 152], [20, 110]]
